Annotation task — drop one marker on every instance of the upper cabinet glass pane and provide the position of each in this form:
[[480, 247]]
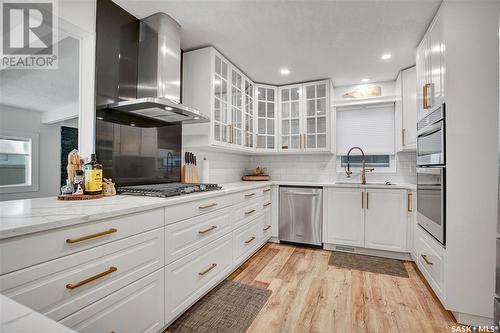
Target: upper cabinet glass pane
[[285, 95], [321, 90], [270, 95], [218, 69], [295, 94], [310, 92], [224, 69], [261, 93]]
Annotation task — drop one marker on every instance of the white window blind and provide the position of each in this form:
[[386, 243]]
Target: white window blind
[[370, 127]]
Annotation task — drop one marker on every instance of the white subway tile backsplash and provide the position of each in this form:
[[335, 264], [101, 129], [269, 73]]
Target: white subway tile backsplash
[[226, 167]]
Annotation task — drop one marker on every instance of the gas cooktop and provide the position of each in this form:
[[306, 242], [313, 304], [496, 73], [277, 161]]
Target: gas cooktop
[[166, 190]]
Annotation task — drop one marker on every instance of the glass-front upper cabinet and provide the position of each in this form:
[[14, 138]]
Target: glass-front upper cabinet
[[249, 114], [315, 116], [221, 125], [266, 117], [305, 117], [236, 126], [291, 124]]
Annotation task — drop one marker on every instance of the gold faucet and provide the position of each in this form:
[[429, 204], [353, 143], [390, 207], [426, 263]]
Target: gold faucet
[[363, 165]]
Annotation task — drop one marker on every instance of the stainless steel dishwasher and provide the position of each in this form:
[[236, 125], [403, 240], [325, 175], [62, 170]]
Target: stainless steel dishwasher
[[301, 214]]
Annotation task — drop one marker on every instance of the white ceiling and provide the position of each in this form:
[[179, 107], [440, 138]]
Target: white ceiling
[[342, 40]]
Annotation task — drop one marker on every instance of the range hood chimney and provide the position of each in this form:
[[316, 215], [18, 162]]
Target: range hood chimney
[[159, 74]]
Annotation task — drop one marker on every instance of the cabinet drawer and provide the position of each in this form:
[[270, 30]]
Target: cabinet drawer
[[191, 209], [137, 308], [60, 287], [430, 260], [247, 211], [191, 276], [186, 236], [43, 246], [246, 196], [247, 238]]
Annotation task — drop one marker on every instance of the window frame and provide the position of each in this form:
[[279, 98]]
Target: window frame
[[34, 162], [390, 169]]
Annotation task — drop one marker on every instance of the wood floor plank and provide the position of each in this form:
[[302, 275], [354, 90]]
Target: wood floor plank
[[308, 295]]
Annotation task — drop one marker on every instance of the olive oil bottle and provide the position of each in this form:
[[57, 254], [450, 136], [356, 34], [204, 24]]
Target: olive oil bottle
[[93, 176]]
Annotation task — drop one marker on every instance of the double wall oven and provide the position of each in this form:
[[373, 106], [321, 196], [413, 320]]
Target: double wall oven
[[431, 173]]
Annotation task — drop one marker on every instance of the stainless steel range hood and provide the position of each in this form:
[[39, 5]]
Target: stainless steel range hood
[[159, 72]]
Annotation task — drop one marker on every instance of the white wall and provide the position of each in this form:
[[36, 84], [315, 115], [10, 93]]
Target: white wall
[[49, 148], [471, 40]]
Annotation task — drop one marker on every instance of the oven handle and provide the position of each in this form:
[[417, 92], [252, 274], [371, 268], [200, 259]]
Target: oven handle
[[431, 129]]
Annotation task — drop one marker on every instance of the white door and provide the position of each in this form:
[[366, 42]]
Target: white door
[[291, 138], [409, 108], [221, 119], [316, 116], [249, 114], [345, 217], [266, 118], [385, 219]]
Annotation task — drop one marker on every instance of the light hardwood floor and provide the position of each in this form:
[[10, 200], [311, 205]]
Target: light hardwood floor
[[308, 295]]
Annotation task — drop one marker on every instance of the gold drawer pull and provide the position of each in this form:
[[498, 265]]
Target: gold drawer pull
[[84, 238], [250, 240], [208, 206], [410, 202], [266, 190], [92, 278], [267, 227], [250, 212], [207, 230], [267, 204], [207, 270], [426, 260], [249, 195]]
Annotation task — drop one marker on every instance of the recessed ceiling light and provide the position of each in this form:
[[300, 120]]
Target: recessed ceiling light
[[284, 71], [365, 80], [386, 56], [100, 118]]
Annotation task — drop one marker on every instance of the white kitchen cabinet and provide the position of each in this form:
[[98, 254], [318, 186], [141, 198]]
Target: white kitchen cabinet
[[431, 68], [385, 219], [406, 110], [371, 218], [345, 217], [221, 92], [267, 115], [137, 308], [305, 117]]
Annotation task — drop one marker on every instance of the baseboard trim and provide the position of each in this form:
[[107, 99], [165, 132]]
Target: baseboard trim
[[472, 320], [370, 252]]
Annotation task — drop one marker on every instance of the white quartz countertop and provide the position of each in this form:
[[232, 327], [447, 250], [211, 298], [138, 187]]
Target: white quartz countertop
[[15, 318], [21, 217]]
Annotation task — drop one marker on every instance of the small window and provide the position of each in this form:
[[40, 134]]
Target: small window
[[15, 162], [371, 161], [18, 162]]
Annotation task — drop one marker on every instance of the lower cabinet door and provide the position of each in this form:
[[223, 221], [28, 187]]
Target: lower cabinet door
[[386, 220], [247, 239], [191, 276], [345, 217], [137, 308]]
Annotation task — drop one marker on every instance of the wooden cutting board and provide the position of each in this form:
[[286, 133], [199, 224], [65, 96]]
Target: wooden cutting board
[[256, 178]]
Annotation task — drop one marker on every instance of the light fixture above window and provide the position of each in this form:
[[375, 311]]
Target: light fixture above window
[[386, 56], [284, 71]]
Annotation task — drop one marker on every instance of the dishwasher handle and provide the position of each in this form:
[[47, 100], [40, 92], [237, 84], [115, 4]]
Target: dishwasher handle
[[302, 193]]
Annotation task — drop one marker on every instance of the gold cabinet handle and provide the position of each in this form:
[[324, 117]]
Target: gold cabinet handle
[[92, 278], [267, 227], [367, 200], [208, 206], [424, 96], [427, 261], [267, 204], [305, 141], [250, 212], [207, 230], [362, 200], [84, 238], [207, 270], [403, 137], [300, 141], [250, 240], [249, 195], [266, 190], [410, 202]]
